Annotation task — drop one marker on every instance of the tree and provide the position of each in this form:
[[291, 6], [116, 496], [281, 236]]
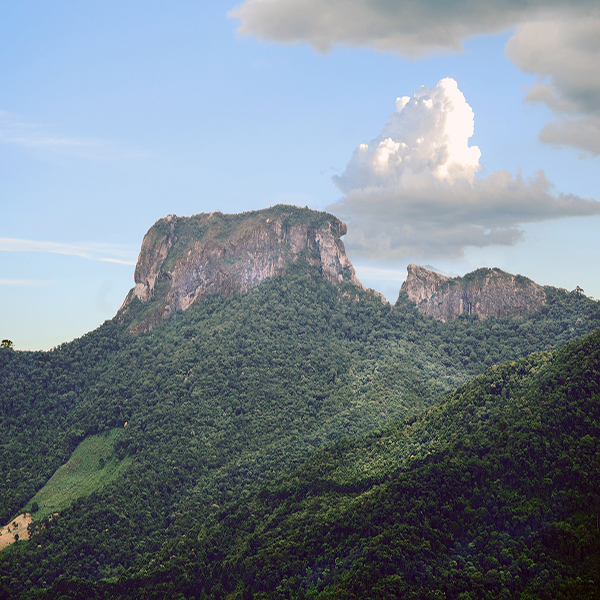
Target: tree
[[6, 344]]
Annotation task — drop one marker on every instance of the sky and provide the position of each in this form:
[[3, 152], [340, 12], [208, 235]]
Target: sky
[[455, 135]]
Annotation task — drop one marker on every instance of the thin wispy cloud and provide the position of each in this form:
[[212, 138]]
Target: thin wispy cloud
[[17, 131], [114, 253], [24, 282]]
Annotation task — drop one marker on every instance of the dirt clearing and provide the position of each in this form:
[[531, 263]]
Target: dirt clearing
[[18, 526]]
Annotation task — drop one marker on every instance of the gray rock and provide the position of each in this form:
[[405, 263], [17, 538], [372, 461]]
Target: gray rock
[[482, 293], [183, 259]]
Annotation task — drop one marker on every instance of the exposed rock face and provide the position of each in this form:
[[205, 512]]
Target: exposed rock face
[[186, 258], [482, 293]]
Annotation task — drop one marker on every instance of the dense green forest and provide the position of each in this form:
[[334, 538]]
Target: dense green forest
[[493, 493], [220, 401]]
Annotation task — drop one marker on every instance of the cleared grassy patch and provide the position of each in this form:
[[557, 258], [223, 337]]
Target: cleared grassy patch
[[92, 465]]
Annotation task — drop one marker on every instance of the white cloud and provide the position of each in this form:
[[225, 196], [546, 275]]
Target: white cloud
[[428, 132], [555, 39], [563, 49], [124, 255], [412, 191]]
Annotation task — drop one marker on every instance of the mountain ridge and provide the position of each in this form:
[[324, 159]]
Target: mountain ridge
[[483, 293], [219, 399], [184, 259]]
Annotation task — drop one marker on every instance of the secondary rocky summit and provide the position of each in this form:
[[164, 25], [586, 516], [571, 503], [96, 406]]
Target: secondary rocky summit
[[482, 293], [183, 259]]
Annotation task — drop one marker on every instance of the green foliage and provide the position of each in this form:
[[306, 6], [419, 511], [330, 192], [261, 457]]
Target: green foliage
[[220, 401], [86, 471], [493, 493]]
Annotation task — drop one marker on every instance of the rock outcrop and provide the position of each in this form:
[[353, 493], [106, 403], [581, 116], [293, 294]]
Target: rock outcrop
[[482, 293], [183, 259]]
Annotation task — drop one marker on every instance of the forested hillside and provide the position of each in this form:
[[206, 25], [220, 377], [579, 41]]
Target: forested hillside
[[493, 493], [215, 403]]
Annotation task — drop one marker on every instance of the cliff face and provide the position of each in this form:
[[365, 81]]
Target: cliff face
[[483, 293], [183, 259]]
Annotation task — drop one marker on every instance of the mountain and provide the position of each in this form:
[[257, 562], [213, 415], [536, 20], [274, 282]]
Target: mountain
[[148, 426], [483, 293], [184, 259], [493, 493]]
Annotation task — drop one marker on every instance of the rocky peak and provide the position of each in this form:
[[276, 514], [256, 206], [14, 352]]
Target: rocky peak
[[183, 259], [482, 293]]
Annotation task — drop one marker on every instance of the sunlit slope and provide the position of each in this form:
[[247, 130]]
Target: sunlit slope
[[92, 465]]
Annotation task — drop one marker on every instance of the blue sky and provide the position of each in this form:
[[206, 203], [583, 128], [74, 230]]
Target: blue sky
[[113, 115]]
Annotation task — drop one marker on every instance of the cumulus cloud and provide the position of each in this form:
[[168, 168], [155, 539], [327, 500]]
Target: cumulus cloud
[[563, 49], [413, 191], [429, 131], [555, 39]]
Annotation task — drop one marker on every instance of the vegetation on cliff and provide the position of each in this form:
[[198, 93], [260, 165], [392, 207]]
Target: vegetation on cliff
[[482, 293], [184, 259]]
